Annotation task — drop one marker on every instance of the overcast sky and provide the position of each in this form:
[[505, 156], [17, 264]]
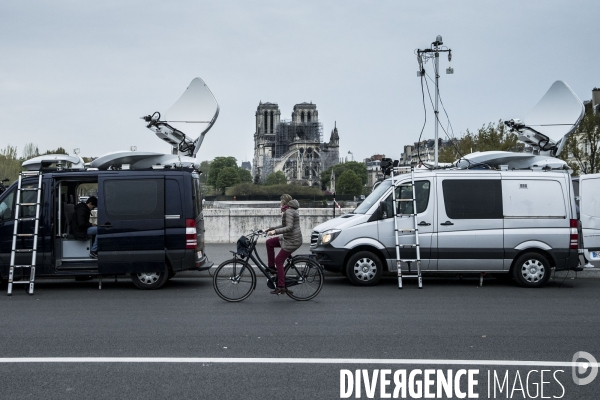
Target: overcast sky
[[79, 74]]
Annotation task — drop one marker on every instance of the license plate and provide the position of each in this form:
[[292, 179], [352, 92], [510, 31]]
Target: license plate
[[595, 254]]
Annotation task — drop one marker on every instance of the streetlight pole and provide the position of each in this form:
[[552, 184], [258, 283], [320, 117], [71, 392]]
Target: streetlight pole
[[349, 152], [424, 55]]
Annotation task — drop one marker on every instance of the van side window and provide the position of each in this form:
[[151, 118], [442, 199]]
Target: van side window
[[473, 198], [197, 195], [29, 196], [173, 204], [6, 206], [134, 199], [406, 207]]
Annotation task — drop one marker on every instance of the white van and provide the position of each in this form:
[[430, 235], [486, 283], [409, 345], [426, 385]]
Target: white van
[[521, 222]]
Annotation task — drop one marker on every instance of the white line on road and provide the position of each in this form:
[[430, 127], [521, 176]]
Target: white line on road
[[216, 360]]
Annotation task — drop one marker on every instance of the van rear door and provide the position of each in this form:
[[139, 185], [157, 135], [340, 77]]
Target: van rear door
[[131, 224], [589, 211]]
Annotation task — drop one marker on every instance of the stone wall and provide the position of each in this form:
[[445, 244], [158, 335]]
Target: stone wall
[[227, 225]]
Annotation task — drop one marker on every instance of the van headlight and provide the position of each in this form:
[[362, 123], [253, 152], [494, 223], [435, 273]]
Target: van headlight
[[328, 236]]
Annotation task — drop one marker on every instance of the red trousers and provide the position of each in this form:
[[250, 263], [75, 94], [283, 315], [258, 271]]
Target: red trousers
[[277, 261]]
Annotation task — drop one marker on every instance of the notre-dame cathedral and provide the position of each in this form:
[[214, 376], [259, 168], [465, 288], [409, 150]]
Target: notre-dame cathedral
[[294, 147]]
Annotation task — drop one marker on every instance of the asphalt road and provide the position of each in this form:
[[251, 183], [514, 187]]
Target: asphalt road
[[449, 319]]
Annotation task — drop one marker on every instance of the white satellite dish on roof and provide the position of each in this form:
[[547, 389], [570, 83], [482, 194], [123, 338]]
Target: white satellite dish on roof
[[553, 118], [545, 129], [184, 126], [59, 160], [186, 123]]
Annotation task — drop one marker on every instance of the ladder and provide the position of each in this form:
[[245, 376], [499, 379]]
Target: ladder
[[414, 230], [33, 236]]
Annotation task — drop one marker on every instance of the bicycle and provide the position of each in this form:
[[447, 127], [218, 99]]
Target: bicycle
[[235, 280]]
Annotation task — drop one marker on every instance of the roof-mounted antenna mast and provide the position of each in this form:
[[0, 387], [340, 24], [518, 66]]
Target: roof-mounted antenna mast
[[192, 115], [423, 56]]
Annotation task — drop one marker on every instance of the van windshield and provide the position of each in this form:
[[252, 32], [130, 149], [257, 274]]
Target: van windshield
[[373, 197]]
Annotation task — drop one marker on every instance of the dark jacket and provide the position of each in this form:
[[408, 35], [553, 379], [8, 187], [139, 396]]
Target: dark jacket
[[291, 235], [81, 221]]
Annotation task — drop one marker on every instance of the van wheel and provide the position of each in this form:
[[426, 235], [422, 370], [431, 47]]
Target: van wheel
[[531, 270], [149, 280], [364, 269]]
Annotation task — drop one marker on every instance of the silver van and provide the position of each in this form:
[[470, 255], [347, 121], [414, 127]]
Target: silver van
[[520, 223]]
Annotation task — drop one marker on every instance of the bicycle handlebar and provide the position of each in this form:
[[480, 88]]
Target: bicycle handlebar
[[258, 232]]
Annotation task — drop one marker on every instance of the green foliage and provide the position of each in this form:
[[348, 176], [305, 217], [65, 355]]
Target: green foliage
[[349, 183], [250, 189], [228, 176], [59, 150], [487, 138], [276, 178], [582, 149], [217, 165], [359, 168], [245, 175], [10, 165], [205, 168]]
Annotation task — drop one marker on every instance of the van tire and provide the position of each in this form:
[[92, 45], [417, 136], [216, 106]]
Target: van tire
[[149, 280], [531, 270], [364, 269]]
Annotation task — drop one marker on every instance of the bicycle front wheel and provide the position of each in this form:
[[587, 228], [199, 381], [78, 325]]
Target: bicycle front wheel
[[304, 278], [234, 280]]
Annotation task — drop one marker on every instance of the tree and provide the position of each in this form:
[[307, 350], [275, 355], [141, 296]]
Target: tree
[[205, 168], [359, 168], [228, 176], [245, 175], [276, 178], [29, 151], [349, 183], [216, 166], [10, 165], [582, 149], [59, 150], [487, 138]]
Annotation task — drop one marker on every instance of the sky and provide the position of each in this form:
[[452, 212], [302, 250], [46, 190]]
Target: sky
[[80, 74]]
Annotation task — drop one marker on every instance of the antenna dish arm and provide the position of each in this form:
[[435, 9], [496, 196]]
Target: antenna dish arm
[[169, 134], [518, 127]]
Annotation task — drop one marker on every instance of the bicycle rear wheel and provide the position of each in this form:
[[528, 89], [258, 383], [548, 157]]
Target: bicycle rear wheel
[[304, 278], [234, 280]]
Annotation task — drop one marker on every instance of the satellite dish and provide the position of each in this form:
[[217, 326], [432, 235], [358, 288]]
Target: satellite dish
[[496, 159], [118, 158], [188, 120], [552, 119], [142, 160], [61, 160]]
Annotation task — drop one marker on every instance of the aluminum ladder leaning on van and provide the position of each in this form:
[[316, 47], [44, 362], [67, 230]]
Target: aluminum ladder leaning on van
[[414, 230], [17, 235]]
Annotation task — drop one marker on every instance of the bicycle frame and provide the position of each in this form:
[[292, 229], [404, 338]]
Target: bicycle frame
[[253, 255]]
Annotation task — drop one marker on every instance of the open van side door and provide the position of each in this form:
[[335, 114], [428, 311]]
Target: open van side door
[[589, 211], [131, 224]]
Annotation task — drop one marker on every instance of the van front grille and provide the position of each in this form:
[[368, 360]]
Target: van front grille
[[314, 237]]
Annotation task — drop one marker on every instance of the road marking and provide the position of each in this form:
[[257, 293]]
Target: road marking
[[218, 360]]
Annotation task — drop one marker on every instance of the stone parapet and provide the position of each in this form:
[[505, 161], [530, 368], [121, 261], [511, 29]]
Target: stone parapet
[[227, 225]]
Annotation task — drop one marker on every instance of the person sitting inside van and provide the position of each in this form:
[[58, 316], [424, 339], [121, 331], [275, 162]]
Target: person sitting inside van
[[82, 227], [289, 239]]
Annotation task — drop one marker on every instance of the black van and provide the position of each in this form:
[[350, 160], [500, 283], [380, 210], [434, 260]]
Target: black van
[[150, 225]]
